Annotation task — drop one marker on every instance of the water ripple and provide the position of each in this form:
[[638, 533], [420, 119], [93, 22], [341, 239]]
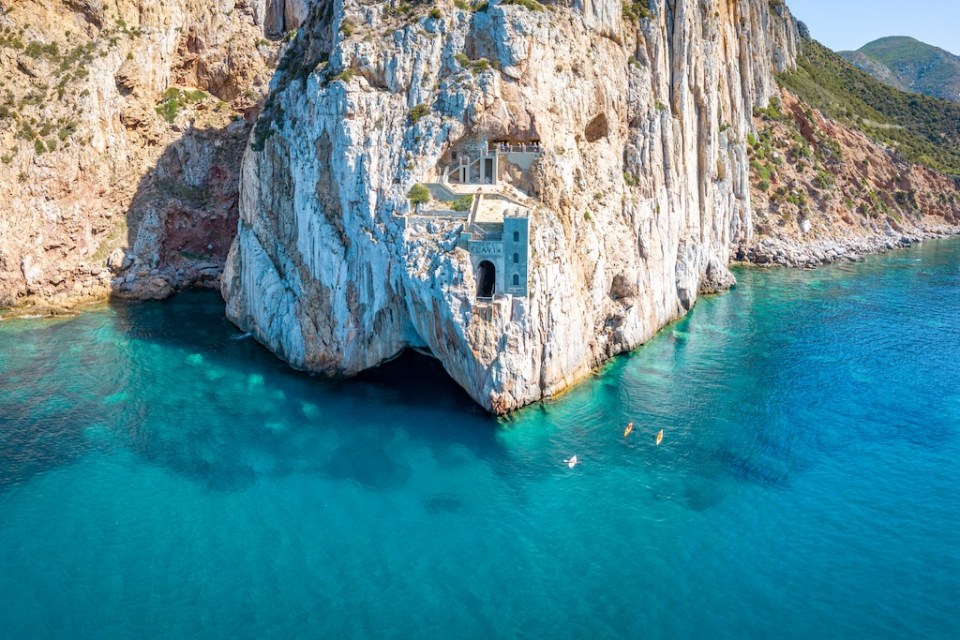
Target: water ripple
[[161, 476]]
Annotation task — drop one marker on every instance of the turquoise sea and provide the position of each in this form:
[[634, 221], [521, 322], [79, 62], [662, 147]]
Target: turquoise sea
[[163, 477]]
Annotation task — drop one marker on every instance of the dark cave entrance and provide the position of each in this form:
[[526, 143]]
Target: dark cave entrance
[[486, 279]]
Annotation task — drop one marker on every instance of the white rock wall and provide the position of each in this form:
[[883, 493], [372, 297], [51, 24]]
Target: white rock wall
[[643, 184]]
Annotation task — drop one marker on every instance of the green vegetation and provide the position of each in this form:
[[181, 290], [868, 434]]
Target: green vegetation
[[109, 242], [410, 7], [921, 129], [797, 139], [463, 203], [906, 63], [418, 194], [346, 75], [32, 130], [419, 112], [772, 112], [475, 66], [636, 11], [62, 66], [763, 170], [824, 180], [532, 5], [174, 99], [9, 39], [40, 50]]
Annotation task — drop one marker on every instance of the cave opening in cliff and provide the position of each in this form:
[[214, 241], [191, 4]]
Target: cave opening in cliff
[[486, 278]]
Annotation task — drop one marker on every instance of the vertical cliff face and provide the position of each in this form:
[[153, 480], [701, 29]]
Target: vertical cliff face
[[641, 188], [121, 132]]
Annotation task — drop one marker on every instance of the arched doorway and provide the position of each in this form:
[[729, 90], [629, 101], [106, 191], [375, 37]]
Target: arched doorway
[[486, 279]]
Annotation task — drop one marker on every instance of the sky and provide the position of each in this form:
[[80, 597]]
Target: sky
[[850, 24]]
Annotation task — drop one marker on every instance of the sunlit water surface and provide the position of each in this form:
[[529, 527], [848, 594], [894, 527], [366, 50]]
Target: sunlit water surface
[[161, 477]]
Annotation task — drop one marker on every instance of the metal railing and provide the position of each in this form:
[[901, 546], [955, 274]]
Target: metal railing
[[514, 148], [441, 213]]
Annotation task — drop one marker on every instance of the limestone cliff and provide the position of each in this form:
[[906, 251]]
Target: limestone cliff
[[121, 134], [640, 112]]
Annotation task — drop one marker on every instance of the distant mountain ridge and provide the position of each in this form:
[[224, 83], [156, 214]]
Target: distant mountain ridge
[[910, 65], [921, 129]]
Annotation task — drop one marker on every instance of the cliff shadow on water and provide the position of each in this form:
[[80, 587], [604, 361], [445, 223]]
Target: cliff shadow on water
[[336, 281], [176, 385], [209, 403]]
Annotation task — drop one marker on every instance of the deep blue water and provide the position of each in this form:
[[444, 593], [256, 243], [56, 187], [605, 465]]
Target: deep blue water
[[161, 478]]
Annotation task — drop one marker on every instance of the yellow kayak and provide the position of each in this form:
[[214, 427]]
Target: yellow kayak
[[660, 437]]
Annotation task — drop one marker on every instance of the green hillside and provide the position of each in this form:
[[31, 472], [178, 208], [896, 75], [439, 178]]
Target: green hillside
[[874, 67], [922, 129], [910, 64]]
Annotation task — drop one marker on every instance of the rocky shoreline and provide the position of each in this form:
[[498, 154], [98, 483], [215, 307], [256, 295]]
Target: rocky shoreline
[[159, 284], [657, 154], [131, 284], [789, 252]]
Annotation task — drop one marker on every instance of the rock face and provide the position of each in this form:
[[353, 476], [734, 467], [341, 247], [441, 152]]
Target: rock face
[[119, 130], [278, 17], [823, 191], [641, 109]]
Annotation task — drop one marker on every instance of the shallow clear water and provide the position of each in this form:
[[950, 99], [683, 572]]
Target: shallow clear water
[[162, 478]]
